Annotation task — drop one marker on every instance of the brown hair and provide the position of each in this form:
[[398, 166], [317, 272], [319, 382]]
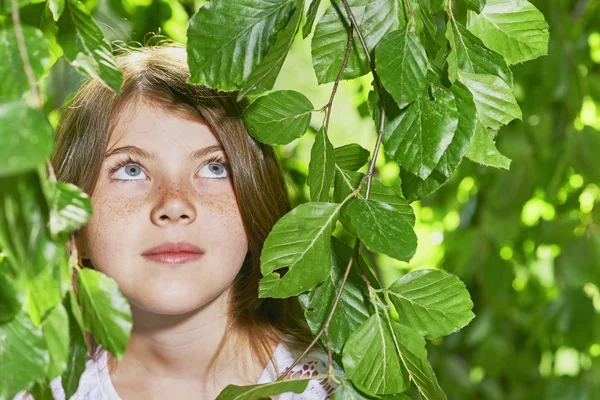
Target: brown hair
[[158, 75]]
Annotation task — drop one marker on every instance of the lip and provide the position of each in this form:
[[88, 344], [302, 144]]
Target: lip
[[173, 253]]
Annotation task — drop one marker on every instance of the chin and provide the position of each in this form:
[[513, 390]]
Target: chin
[[175, 302]]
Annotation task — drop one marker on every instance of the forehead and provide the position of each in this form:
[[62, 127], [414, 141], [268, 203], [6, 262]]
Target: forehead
[[153, 127]]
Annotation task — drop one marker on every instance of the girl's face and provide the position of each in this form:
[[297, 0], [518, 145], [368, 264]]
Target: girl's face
[[163, 182]]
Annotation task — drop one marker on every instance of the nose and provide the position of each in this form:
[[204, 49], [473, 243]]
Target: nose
[[174, 207]]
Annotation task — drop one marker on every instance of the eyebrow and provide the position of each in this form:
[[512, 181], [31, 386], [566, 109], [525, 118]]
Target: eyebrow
[[153, 156]]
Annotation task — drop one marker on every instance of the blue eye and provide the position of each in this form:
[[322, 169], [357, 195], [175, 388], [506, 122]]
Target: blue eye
[[129, 172], [215, 170]]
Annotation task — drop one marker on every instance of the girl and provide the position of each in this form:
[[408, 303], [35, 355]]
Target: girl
[[183, 200]]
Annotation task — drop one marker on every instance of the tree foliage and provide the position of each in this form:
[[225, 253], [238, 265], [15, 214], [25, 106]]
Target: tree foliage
[[521, 247]]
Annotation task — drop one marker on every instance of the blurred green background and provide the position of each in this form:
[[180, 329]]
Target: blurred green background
[[525, 241]]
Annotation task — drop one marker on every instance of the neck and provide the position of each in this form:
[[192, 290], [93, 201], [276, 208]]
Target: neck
[[184, 347]]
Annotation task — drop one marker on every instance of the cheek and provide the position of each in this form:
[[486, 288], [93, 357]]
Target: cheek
[[223, 215]]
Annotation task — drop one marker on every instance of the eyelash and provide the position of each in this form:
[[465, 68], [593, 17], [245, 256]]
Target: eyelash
[[130, 160]]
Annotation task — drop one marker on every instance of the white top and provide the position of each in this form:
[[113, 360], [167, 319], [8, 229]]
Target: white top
[[95, 383]]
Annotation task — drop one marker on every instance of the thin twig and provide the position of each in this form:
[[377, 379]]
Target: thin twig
[[412, 16], [368, 177], [380, 93], [339, 77], [329, 318]]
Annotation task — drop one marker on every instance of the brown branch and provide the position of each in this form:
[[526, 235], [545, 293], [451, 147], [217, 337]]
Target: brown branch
[[380, 93], [329, 317], [339, 77], [368, 177], [412, 16]]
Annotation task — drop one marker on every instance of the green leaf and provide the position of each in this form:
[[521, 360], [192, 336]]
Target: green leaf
[[352, 309], [417, 136], [78, 349], [483, 150], [265, 74], [382, 228], [433, 302], [227, 40], [467, 124], [106, 313], [265, 390], [56, 334], [468, 53], [415, 188], [494, 99], [476, 5], [279, 117], [13, 79], [321, 168], [311, 15], [296, 254], [351, 156], [42, 390], [56, 7], [402, 65], [513, 28], [375, 18], [371, 360], [26, 137], [43, 294], [70, 208], [346, 182], [330, 40], [84, 46], [23, 226], [410, 346], [23, 355], [10, 299]]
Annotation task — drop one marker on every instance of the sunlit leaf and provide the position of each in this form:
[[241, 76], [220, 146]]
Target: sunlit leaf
[[264, 75], [351, 157], [513, 28], [227, 40], [432, 302], [382, 228], [265, 390], [417, 136], [371, 359], [483, 150], [468, 53], [402, 65], [296, 254], [494, 99], [84, 46], [106, 313], [71, 208], [279, 117]]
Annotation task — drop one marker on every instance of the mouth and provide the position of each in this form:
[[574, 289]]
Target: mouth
[[180, 257]]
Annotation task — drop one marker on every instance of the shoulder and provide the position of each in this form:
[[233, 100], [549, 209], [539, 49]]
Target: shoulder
[[88, 388], [315, 363]]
